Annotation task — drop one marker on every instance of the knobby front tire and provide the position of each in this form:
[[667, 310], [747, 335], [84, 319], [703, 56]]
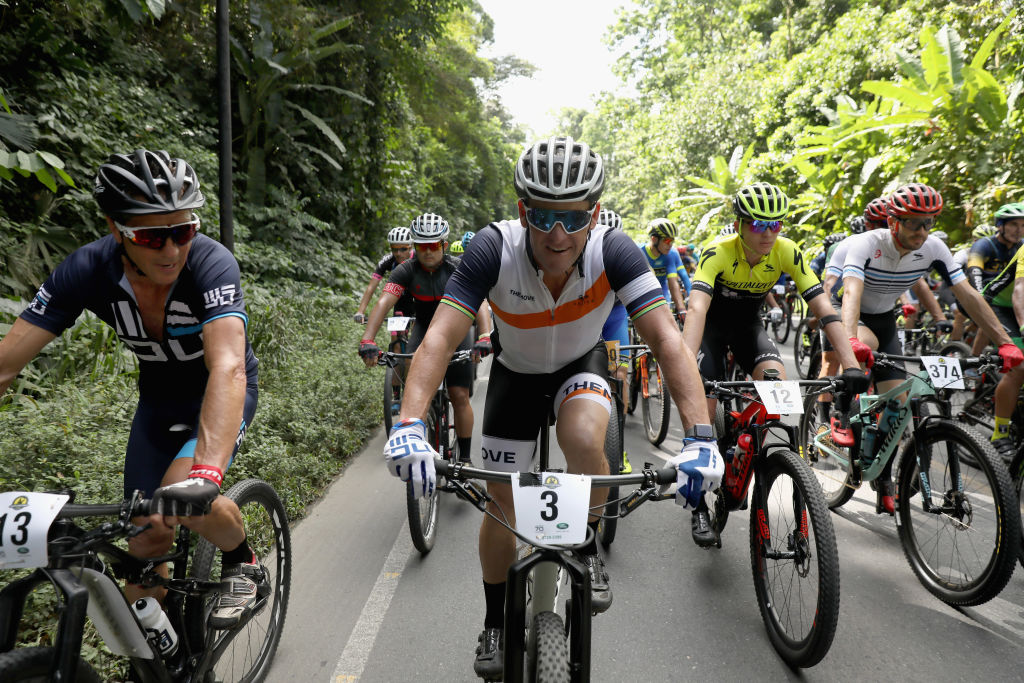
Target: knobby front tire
[[794, 559], [607, 527], [32, 665], [1017, 472], [249, 650], [389, 398], [423, 510], [549, 654], [965, 550]]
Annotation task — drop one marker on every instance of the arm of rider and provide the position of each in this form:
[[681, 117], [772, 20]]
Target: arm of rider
[[699, 466], [407, 455], [981, 313], [853, 289], [834, 331], [696, 318], [676, 291], [661, 333], [367, 346], [829, 283], [927, 299], [359, 317], [22, 343], [482, 344], [219, 421]]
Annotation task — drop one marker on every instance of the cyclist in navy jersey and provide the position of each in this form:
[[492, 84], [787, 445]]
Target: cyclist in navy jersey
[[550, 277], [400, 240], [424, 277], [175, 299]]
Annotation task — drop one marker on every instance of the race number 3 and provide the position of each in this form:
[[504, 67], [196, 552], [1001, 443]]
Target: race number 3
[[551, 507]]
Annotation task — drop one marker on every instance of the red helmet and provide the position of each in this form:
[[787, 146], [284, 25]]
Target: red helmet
[[877, 210], [915, 200]]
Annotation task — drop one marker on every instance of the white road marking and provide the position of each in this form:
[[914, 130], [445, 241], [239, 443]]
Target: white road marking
[[360, 643]]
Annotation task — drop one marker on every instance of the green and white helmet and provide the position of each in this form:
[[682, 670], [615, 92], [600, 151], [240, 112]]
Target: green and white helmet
[[1007, 212], [761, 202]]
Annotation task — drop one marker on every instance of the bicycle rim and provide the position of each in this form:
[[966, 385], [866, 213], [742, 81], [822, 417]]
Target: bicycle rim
[[423, 511], [656, 405], [830, 473], [245, 654], [965, 549], [794, 560]]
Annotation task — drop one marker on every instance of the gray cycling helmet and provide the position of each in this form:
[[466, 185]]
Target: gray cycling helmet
[[610, 218], [559, 169], [146, 182], [399, 235], [429, 227]]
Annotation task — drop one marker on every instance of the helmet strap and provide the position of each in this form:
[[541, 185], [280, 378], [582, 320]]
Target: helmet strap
[[124, 253], [895, 235]]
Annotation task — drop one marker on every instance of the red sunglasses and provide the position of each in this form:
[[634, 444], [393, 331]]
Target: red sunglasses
[[429, 246], [155, 236]]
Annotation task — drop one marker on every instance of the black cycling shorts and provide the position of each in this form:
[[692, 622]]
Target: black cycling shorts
[[1007, 318], [162, 432], [749, 343], [519, 404], [458, 375]]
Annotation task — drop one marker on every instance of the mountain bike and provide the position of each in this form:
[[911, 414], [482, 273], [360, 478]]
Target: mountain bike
[[440, 421], [807, 349], [540, 644], [793, 551], [83, 564], [956, 514], [780, 330]]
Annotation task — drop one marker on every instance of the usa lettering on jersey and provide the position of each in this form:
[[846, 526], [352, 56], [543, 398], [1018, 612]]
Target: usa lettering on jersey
[[219, 296]]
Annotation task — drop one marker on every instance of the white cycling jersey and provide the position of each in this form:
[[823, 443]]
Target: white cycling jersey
[[534, 333], [873, 258]]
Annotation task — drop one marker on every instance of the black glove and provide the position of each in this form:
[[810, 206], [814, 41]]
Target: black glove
[[856, 381], [359, 318], [943, 326], [190, 497], [482, 347]]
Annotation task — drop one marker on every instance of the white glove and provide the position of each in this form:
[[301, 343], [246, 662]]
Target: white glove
[[699, 469], [409, 457], [775, 316]]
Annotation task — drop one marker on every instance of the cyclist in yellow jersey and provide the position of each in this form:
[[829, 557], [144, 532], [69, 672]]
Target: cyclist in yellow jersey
[[733, 277]]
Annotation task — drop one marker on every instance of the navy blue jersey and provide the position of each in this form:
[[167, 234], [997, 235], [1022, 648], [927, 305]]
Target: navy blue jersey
[[93, 278]]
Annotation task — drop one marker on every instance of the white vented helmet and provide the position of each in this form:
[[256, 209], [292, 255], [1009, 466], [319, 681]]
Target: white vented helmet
[[610, 218], [399, 235], [429, 227], [559, 169]]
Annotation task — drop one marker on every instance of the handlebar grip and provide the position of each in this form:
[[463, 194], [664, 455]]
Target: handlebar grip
[[72, 510], [666, 475]]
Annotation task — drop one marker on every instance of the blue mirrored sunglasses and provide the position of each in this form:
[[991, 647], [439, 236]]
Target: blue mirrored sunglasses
[[761, 226], [572, 221]]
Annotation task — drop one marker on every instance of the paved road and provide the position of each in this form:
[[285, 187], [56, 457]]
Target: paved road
[[366, 607]]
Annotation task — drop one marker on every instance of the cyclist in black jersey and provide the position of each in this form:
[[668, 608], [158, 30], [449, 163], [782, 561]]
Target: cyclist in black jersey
[[424, 277], [175, 299], [400, 239]]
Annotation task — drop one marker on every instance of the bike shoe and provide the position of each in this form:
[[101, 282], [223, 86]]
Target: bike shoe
[[242, 585], [489, 664], [1005, 448], [885, 502], [626, 467], [600, 592], [703, 533]]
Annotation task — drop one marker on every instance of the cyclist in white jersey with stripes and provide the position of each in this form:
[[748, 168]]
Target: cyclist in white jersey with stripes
[[550, 276], [880, 265]]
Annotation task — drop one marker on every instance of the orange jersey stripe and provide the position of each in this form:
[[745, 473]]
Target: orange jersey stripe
[[566, 313]]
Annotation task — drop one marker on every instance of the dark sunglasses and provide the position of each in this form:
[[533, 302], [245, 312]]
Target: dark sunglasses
[[155, 236], [761, 226], [915, 225], [398, 250], [572, 221]]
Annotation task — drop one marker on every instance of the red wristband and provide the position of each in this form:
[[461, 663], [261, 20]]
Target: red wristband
[[208, 472]]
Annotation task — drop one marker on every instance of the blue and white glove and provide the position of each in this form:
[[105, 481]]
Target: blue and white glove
[[699, 469], [409, 457]]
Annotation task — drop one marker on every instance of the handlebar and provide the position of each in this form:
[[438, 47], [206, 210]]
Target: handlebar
[[463, 356], [986, 358], [648, 476]]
